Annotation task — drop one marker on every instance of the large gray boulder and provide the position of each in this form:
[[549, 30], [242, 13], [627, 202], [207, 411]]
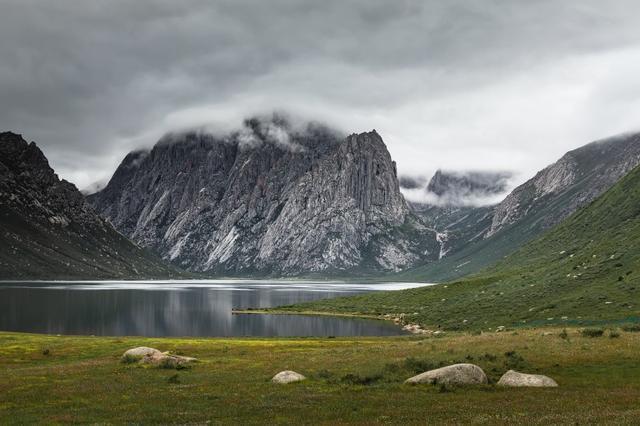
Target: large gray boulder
[[456, 374], [516, 379], [287, 376], [136, 354]]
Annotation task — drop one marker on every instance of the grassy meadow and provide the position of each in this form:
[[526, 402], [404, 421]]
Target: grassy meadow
[[65, 379]]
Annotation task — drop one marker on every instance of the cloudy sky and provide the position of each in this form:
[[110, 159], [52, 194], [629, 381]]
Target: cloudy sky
[[457, 84]]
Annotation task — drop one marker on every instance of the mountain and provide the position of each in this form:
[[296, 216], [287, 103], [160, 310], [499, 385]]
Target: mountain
[[586, 270], [463, 188], [553, 194], [457, 204], [48, 231], [268, 199]]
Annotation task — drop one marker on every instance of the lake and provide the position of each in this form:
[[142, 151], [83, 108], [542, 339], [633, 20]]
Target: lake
[[180, 308]]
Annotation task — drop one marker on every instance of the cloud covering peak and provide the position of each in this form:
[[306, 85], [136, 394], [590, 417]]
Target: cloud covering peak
[[448, 84]]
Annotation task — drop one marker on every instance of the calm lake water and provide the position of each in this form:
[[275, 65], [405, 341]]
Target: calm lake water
[[180, 308]]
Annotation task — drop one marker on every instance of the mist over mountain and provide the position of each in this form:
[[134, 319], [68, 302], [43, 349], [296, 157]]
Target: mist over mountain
[[457, 188], [475, 238], [269, 198]]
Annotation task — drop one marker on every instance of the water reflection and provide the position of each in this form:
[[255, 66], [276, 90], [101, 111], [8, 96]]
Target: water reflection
[[177, 309]]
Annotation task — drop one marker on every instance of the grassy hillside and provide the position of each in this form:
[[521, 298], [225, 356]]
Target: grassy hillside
[[585, 270], [53, 380]]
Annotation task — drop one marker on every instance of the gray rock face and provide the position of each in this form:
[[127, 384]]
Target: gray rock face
[[268, 199], [474, 238], [287, 376], [47, 230], [456, 374], [514, 379], [575, 180]]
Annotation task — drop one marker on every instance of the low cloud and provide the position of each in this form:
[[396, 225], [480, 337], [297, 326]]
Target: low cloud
[[422, 196], [452, 84]]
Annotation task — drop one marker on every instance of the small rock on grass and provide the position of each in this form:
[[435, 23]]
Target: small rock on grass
[[145, 355], [165, 360], [287, 376], [515, 379], [136, 354]]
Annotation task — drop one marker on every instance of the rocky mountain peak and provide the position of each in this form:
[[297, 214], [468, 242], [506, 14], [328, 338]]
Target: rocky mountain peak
[[268, 198], [468, 183]]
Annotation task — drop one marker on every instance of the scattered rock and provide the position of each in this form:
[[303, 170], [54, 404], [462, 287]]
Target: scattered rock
[[166, 360], [456, 374], [516, 379], [146, 355], [136, 354], [287, 376]]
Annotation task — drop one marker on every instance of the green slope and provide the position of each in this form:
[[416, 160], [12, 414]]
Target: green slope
[[585, 270], [589, 170]]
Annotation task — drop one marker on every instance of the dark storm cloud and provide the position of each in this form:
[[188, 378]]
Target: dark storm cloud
[[454, 84]]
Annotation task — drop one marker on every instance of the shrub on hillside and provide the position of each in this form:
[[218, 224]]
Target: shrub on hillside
[[592, 332]]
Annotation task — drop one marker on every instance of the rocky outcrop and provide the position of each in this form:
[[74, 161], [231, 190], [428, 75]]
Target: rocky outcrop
[[456, 374], [514, 379], [287, 376], [268, 199], [47, 230]]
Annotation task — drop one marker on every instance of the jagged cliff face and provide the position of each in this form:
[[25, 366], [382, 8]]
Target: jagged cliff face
[[47, 230], [268, 199]]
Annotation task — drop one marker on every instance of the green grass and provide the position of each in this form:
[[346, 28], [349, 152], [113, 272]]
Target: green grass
[[584, 271], [350, 380]]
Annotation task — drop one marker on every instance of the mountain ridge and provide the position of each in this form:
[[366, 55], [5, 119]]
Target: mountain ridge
[[49, 231], [554, 193]]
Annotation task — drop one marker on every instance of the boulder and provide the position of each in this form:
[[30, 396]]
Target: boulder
[[166, 360], [456, 374], [515, 379], [136, 354], [287, 376]]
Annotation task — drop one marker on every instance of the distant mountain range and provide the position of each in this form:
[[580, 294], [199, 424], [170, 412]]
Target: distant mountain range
[[48, 231], [274, 199], [481, 237], [268, 199]]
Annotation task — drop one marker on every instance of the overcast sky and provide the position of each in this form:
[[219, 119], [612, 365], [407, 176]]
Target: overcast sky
[[506, 85]]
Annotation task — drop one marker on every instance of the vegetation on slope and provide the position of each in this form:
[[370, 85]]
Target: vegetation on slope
[[49, 379], [585, 270]]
